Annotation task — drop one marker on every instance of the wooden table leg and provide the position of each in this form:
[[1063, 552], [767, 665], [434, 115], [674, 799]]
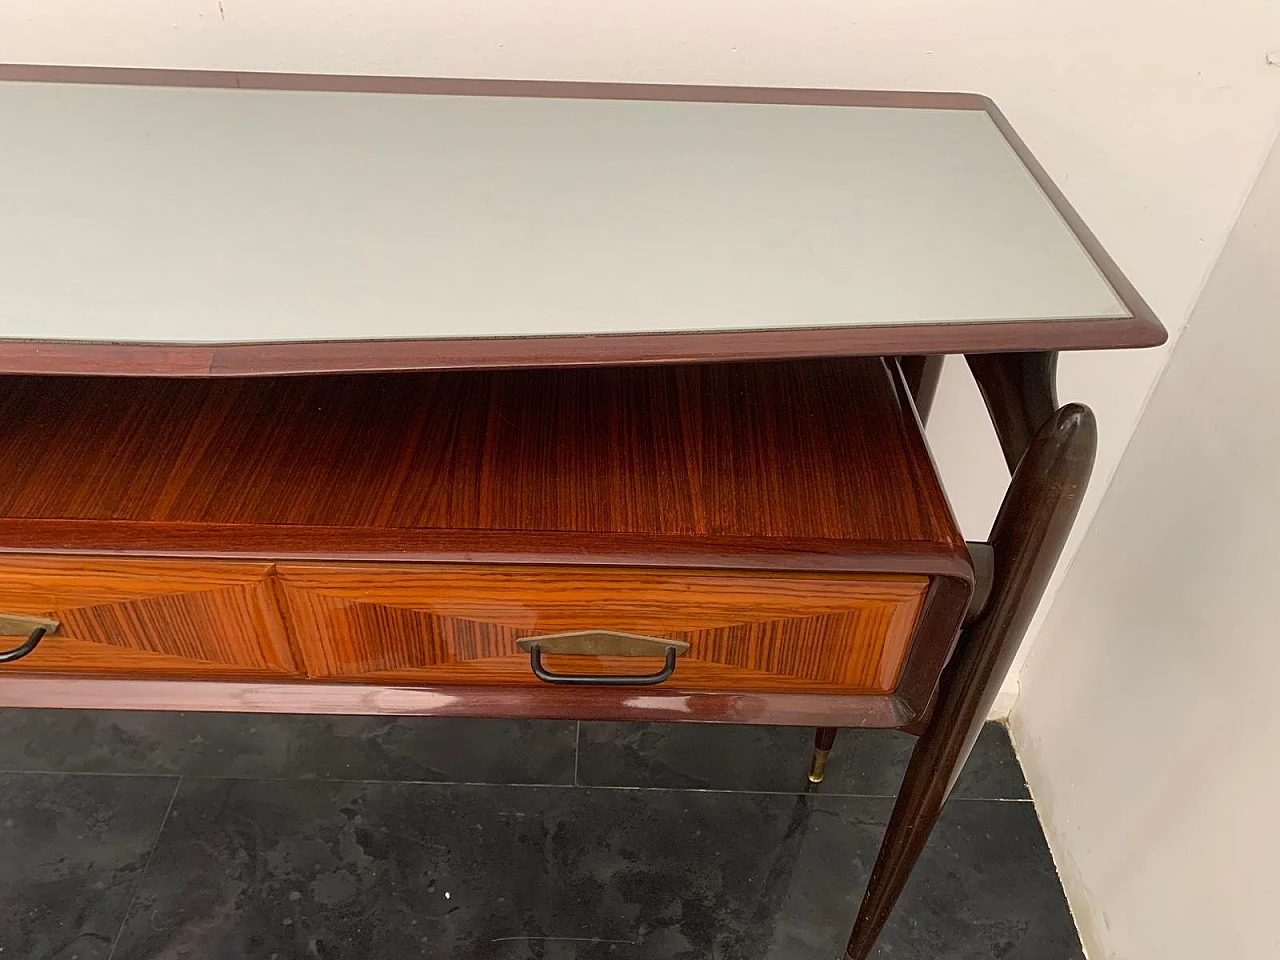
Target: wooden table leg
[[1026, 540], [823, 741], [1021, 394], [922, 374]]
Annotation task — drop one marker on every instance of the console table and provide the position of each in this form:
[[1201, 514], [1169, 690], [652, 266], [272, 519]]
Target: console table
[[499, 398]]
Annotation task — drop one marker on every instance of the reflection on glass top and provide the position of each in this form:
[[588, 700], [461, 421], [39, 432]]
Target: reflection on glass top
[[204, 215]]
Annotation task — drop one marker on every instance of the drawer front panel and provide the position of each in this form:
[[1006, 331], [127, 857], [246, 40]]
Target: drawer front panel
[[459, 624], [151, 617]]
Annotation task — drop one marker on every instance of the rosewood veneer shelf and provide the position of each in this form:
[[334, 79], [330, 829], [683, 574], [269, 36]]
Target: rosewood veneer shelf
[[409, 529], [647, 526]]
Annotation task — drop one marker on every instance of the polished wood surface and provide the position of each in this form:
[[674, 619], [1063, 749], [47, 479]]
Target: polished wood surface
[[1138, 328], [380, 699], [451, 86], [1026, 540], [148, 617], [739, 456], [373, 356], [757, 511], [304, 542], [922, 374], [407, 623], [1020, 393]]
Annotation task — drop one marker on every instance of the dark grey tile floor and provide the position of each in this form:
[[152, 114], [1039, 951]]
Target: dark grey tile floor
[[132, 836]]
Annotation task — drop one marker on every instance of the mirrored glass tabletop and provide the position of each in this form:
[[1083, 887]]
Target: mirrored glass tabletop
[[187, 210]]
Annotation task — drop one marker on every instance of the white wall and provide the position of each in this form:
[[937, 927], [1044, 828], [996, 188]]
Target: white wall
[[1152, 115], [1148, 719]]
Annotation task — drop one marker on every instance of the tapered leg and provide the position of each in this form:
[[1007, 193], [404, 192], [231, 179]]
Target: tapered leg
[[922, 374], [823, 741], [1019, 390], [1026, 541]]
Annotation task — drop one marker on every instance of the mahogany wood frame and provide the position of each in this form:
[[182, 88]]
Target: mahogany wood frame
[[1139, 328]]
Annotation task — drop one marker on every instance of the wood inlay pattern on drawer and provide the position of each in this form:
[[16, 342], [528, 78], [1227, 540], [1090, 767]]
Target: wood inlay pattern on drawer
[[460, 624], [171, 617]]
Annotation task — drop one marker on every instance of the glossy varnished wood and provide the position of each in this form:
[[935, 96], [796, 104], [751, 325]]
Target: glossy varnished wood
[[303, 542], [349, 697], [922, 374], [346, 356], [799, 467], [820, 451], [1026, 540], [1020, 393], [148, 617], [453, 86], [403, 623]]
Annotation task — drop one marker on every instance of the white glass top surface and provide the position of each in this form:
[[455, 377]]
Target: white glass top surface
[[220, 215]]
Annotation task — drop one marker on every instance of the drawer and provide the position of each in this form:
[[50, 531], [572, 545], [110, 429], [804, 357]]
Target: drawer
[[161, 617], [455, 624]]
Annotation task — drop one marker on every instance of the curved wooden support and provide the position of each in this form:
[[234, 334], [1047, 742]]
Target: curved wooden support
[[984, 576], [1026, 540], [922, 373], [1019, 390]]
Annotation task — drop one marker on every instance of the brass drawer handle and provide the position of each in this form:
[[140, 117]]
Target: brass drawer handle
[[602, 643], [34, 627]]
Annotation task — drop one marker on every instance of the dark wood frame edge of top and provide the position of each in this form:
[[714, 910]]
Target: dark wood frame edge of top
[[1138, 307], [466, 87], [1140, 329], [390, 356]]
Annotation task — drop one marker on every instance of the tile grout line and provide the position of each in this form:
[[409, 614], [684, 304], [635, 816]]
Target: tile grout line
[[577, 749], [137, 889], [499, 783]]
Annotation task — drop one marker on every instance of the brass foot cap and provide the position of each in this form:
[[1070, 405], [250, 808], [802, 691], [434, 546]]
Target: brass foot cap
[[818, 769]]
